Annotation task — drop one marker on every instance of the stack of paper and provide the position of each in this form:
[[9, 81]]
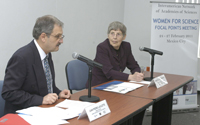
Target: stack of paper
[[53, 115], [44, 116]]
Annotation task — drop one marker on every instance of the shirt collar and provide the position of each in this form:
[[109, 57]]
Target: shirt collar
[[41, 52]]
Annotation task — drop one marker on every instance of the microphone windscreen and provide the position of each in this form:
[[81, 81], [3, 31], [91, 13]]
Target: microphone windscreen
[[75, 55], [141, 48]]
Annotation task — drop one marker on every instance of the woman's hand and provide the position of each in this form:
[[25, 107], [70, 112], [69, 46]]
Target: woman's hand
[[136, 77]]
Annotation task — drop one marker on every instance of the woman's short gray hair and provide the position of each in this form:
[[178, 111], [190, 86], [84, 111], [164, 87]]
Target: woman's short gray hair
[[117, 25], [45, 24]]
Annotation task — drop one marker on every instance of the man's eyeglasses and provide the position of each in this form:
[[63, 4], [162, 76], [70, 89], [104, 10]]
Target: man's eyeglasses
[[58, 37]]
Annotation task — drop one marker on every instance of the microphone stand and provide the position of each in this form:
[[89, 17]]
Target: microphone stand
[[89, 97], [152, 65]]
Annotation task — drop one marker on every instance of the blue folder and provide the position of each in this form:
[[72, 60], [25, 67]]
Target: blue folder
[[107, 85]]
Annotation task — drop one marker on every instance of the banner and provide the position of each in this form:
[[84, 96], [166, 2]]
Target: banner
[[175, 31]]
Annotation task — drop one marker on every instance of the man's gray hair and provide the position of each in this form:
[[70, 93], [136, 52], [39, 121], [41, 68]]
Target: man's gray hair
[[45, 24], [117, 25]]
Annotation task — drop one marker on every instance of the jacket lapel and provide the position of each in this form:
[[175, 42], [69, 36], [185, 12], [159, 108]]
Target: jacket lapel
[[121, 51]]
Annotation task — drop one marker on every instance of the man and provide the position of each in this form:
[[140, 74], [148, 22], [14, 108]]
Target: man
[[30, 77]]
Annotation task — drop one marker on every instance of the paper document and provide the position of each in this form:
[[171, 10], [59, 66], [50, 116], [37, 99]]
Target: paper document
[[47, 112], [143, 82], [38, 120], [52, 115], [73, 104], [122, 87]]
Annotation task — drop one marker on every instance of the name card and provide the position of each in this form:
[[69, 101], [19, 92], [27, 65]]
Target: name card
[[159, 81], [95, 111]]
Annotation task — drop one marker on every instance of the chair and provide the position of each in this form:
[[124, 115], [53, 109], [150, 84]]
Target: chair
[[76, 74], [2, 101]]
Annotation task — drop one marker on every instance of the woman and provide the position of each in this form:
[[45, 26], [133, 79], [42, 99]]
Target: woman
[[115, 55]]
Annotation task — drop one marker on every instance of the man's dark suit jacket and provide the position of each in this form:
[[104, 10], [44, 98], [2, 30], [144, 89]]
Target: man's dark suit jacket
[[25, 82], [114, 62]]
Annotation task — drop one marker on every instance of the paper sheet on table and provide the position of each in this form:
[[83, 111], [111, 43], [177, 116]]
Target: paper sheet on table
[[143, 82], [75, 105], [123, 87], [38, 120], [50, 112]]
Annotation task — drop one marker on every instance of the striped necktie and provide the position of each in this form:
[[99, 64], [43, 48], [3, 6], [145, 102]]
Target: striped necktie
[[48, 74]]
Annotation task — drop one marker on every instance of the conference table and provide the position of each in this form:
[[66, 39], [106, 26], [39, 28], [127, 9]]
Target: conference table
[[123, 108], [127, 106], [163, 97]]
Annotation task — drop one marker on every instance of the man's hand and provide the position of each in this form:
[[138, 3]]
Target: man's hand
[[65, 94], [50, 98]]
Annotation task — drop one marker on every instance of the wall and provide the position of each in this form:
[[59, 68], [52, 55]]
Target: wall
[[137, 18], [86, 23]]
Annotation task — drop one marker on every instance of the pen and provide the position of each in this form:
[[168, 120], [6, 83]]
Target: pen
[[24, 114], [122, 90], [142, 68]]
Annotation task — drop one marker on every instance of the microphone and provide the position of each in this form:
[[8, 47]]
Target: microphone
[[151, 51], [90, 62]]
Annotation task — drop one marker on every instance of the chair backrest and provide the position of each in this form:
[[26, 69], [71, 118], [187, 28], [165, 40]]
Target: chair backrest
[[76, 74], [2, 101]]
